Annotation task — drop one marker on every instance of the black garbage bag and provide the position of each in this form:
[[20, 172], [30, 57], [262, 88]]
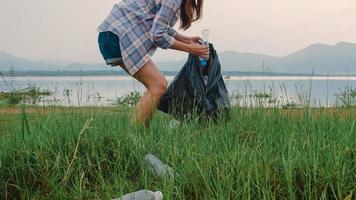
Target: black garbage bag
[[190, 95]]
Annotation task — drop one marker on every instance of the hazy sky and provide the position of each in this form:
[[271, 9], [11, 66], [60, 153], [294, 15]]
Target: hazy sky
[[66, 29]]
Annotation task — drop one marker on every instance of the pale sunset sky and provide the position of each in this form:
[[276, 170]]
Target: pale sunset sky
[[66, 29]]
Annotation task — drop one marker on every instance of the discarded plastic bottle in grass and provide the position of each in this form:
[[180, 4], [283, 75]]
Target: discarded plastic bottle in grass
[[174, 124], [205, 42], [158, 168], [142, 195]]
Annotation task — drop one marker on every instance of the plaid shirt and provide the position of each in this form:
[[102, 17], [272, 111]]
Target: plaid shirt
[[142, 26]]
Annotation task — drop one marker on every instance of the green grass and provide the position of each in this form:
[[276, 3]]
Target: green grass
[[257, 154]]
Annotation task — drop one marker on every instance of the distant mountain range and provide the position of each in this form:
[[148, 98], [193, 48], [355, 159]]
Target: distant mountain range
[[24, 64], [316, 58]]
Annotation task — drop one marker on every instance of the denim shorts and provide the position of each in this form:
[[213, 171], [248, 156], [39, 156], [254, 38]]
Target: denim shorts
[[109, 45]]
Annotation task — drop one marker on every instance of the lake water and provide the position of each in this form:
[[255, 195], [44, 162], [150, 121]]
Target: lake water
[[104, 90]]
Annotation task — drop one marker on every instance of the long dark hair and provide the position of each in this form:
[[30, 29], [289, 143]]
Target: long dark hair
[[190, 11]]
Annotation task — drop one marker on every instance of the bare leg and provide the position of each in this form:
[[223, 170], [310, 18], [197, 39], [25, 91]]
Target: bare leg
[[156, 84]]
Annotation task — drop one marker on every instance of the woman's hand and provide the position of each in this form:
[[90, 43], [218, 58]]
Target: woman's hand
[[199, 50], [193, 48], [195, 39]]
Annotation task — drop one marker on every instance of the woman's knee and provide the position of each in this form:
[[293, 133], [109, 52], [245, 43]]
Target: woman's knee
[[152, 78], [159, 87]]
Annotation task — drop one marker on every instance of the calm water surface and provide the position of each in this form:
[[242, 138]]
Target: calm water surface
[[104, 90]]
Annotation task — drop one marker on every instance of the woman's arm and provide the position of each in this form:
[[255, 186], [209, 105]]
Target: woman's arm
[[165, 37], [187, 39], [192, 48], [161, 31]]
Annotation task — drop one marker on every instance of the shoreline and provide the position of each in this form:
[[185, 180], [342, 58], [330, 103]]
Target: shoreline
[[227, 78]]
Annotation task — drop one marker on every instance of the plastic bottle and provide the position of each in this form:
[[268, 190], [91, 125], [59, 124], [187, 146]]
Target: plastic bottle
[[205, 42], [174, 124], [158, 168], [142, 195]]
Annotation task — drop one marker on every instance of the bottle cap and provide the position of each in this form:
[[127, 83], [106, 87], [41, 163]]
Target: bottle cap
[[158, 195]]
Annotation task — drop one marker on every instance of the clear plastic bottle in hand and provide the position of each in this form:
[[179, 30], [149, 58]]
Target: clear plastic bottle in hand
[[205, 42]]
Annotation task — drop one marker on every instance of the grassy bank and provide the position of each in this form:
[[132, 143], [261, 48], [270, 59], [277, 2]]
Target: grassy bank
[[93, 153]]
